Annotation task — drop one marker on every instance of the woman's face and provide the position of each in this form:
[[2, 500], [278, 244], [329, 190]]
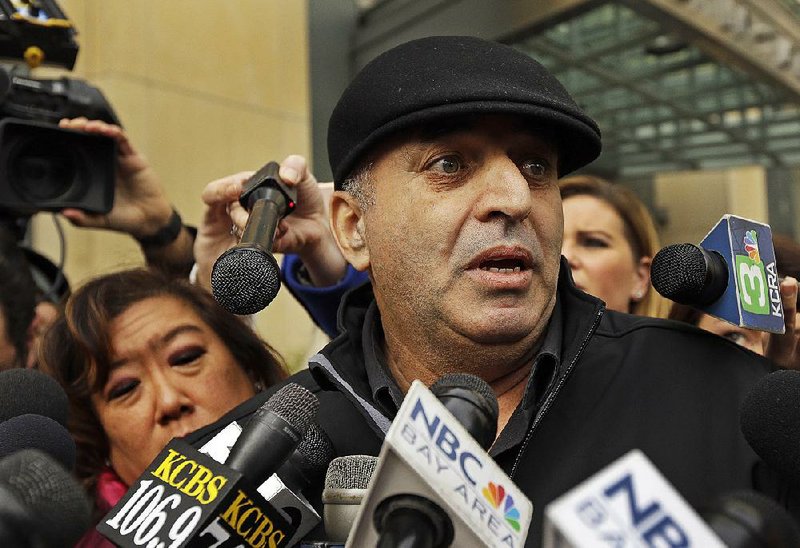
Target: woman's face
[[599, 255], [748, 338], [170, 375]]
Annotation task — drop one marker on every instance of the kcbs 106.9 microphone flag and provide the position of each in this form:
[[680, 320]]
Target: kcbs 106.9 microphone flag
[[731, 275], [429, 456], [186, 498]]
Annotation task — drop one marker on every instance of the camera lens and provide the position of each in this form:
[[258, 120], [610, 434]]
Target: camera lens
[[44, 170], [47, 168]]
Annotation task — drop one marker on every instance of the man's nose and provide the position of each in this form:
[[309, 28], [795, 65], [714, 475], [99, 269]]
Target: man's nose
[[505, 193]]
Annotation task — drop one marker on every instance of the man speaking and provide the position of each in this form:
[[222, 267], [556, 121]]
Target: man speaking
[[445, 153]]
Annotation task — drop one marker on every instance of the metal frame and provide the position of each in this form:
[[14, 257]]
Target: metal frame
[[720, 98]]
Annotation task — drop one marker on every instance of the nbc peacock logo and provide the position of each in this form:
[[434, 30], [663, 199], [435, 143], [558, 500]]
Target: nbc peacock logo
[[751, 246], [497, 497], [752, 286]]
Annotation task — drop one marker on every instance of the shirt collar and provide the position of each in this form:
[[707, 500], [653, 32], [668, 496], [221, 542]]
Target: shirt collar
[[385, 391], [547, 360], [387, 394]]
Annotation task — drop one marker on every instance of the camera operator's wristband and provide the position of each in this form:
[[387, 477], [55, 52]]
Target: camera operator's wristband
[[166, 234]]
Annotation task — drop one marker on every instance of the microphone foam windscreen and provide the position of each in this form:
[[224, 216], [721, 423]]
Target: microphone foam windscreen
[[678, 272], [316, 449], [749, 515], [294, 404], [350, 472], [770, 421], [37, 432], [245, 280], [28, 391], [49, 493], [468, 382]]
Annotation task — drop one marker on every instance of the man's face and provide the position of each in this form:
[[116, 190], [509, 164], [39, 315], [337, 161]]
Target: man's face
[[464, 235]]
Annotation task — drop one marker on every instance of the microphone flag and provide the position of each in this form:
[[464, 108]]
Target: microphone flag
[[746, 246], [628, 503], [427, 452], [185, 496]]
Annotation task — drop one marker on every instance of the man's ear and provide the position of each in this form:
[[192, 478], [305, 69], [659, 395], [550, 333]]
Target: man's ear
[[347, 225]]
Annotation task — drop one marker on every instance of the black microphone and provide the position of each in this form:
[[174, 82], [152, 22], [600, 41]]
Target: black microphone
[[746, 519], [689, 274], [415, 521], [273, 433], [770, 421], [37, 432], [412, 521], [41, 505], [28, 391], [298, 480], [472, 402], [432, 473], [246, 277], [287, 489], [732, 275], [307, 465]]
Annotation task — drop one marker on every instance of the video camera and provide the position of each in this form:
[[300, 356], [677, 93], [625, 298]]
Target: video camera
[[44, 167]]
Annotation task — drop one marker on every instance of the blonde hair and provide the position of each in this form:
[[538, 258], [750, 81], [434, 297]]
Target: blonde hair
[[640, 230]]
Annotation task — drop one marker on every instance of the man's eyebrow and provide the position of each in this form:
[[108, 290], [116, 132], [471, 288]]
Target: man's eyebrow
[[162, 341]]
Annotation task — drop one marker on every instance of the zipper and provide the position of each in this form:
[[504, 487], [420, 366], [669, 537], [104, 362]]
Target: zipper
[[377, 420], [552, 396]]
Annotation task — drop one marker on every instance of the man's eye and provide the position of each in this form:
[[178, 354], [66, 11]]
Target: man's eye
[[534, 168], [447, 164]]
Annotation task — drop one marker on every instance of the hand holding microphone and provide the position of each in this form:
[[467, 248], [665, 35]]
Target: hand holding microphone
[[246, 277], [733, 275], [305, 232]]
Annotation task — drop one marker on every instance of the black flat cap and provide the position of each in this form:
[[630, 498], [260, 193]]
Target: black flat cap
[[444, 76]]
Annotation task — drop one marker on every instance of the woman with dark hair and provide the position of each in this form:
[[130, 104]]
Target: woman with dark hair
[[144, 358], [609, 242]]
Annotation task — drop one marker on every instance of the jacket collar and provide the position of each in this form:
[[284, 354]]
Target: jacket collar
[[341, 363]]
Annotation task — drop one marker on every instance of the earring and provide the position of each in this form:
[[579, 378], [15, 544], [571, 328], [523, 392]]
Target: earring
[[258, 386], [638, 295]]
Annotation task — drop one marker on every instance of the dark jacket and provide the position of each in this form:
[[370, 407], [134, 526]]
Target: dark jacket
[[624, 382]]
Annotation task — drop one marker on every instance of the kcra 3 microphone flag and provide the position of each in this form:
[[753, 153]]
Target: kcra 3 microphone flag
[[731, 275]]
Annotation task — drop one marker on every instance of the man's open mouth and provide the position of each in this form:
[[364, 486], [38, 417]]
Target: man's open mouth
[[503, 260], [503, 265]]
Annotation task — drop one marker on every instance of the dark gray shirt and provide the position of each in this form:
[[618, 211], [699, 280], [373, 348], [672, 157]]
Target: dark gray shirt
[[387, 394]]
